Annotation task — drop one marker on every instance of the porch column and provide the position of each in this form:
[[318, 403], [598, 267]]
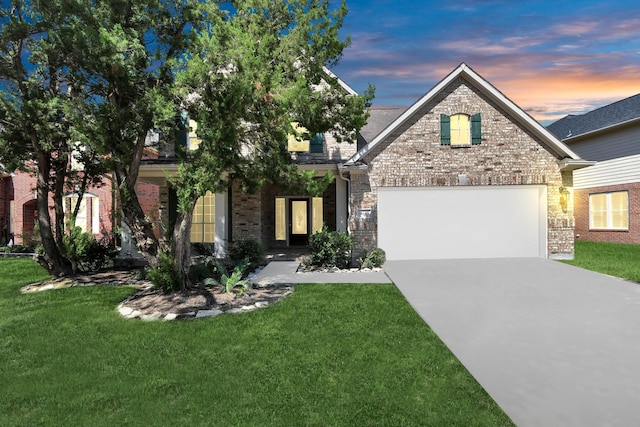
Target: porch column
[[341, 205], [221, 212]]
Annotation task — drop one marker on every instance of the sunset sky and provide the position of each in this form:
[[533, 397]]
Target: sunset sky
[[552, 58]]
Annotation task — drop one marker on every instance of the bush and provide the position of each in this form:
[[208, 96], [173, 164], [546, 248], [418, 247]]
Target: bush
[[164, 277], [85, 252], [246, 251], [19, 249], [374, 259], [330, 249]]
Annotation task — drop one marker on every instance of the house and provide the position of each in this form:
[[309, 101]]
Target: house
[[463, 173], [607, 195], [18, 208]]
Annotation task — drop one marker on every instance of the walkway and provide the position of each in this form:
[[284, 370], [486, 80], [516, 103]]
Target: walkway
[[554, 345]]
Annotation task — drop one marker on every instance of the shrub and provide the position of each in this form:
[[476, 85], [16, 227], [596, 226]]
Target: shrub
[[85, 252], [330, 249], [246, 251], [373, 259], [19, 249], [164, 277]]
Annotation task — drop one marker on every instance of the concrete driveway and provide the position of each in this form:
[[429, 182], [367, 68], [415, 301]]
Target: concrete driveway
[[553, 344]]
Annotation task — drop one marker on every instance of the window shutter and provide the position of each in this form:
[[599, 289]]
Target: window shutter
[[476, 129], [316, 144], [445, 130]]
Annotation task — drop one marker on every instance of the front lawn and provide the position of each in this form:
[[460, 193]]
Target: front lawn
[[615, 259], [329, 355]]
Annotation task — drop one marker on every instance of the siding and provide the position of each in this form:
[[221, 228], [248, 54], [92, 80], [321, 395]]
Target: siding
[[610, 172], [609, 145]]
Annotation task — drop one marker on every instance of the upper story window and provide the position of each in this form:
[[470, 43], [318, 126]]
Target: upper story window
[[609, 211], [297, 144], [460, 129]]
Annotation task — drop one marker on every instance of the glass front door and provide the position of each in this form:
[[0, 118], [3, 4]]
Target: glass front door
[[299, 221]]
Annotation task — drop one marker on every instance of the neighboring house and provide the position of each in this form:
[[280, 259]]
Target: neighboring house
[[463, 173], [18, 208], [607, 195]]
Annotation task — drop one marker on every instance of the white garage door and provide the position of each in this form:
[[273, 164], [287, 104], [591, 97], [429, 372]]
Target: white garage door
[[463, 222]]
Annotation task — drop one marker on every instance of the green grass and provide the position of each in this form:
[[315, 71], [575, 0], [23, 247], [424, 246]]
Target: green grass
[[615, 259], [329, 355]]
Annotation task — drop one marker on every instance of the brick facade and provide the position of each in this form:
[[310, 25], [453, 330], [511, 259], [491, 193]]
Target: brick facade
[[414, 157], [632, 235], [19, 188]]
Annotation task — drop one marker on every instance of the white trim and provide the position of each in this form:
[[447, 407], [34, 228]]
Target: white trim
[[494, 94], [344, 86]]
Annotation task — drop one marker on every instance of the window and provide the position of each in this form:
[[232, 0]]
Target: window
[[296, 144], [88, 217], [460, 129], [609, 211], [281, 219], [203, 220]]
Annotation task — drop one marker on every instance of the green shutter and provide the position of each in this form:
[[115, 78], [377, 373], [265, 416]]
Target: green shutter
[[445, 130], [476, 129], [316, 145]]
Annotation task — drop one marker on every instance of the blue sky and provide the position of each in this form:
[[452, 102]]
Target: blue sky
[[552, 58]]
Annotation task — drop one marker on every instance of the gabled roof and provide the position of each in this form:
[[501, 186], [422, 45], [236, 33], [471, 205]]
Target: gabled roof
[[490, 92], [616, 114]]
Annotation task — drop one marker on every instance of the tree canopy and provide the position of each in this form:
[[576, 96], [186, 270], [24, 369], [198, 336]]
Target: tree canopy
[[104, 74]]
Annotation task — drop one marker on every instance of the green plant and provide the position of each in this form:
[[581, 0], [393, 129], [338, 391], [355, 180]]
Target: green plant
[[373, 259], [330, 249], [85, 252], [19, 249], [164, 277], [230, 282], [246, 251]]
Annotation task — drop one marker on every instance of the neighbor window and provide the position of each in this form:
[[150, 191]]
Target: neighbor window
[[460, 129], [88, 217], [609, 211], [203, 220]]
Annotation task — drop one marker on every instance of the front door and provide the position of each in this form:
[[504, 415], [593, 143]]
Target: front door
[[299, 222]]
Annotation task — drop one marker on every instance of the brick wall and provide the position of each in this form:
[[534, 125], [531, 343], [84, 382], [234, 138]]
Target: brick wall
[[413, 157], [246, 214], [581, 202]]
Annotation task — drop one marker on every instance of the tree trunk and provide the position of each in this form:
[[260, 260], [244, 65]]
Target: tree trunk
[[141, 228], [53, 259], [181, 245]]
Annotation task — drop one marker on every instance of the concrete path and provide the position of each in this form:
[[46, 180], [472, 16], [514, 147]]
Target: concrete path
[[553, 344], [280, 272]]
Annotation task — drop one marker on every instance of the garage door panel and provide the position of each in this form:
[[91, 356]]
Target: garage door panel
[[462, 222]]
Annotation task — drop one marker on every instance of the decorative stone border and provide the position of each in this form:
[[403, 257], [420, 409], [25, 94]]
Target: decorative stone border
[[270, 296]]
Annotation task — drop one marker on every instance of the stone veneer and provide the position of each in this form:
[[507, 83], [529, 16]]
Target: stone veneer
[[508, 155]]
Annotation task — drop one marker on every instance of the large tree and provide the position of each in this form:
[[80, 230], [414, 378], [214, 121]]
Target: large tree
[[259, 68], [38, 117], [96, 74]]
